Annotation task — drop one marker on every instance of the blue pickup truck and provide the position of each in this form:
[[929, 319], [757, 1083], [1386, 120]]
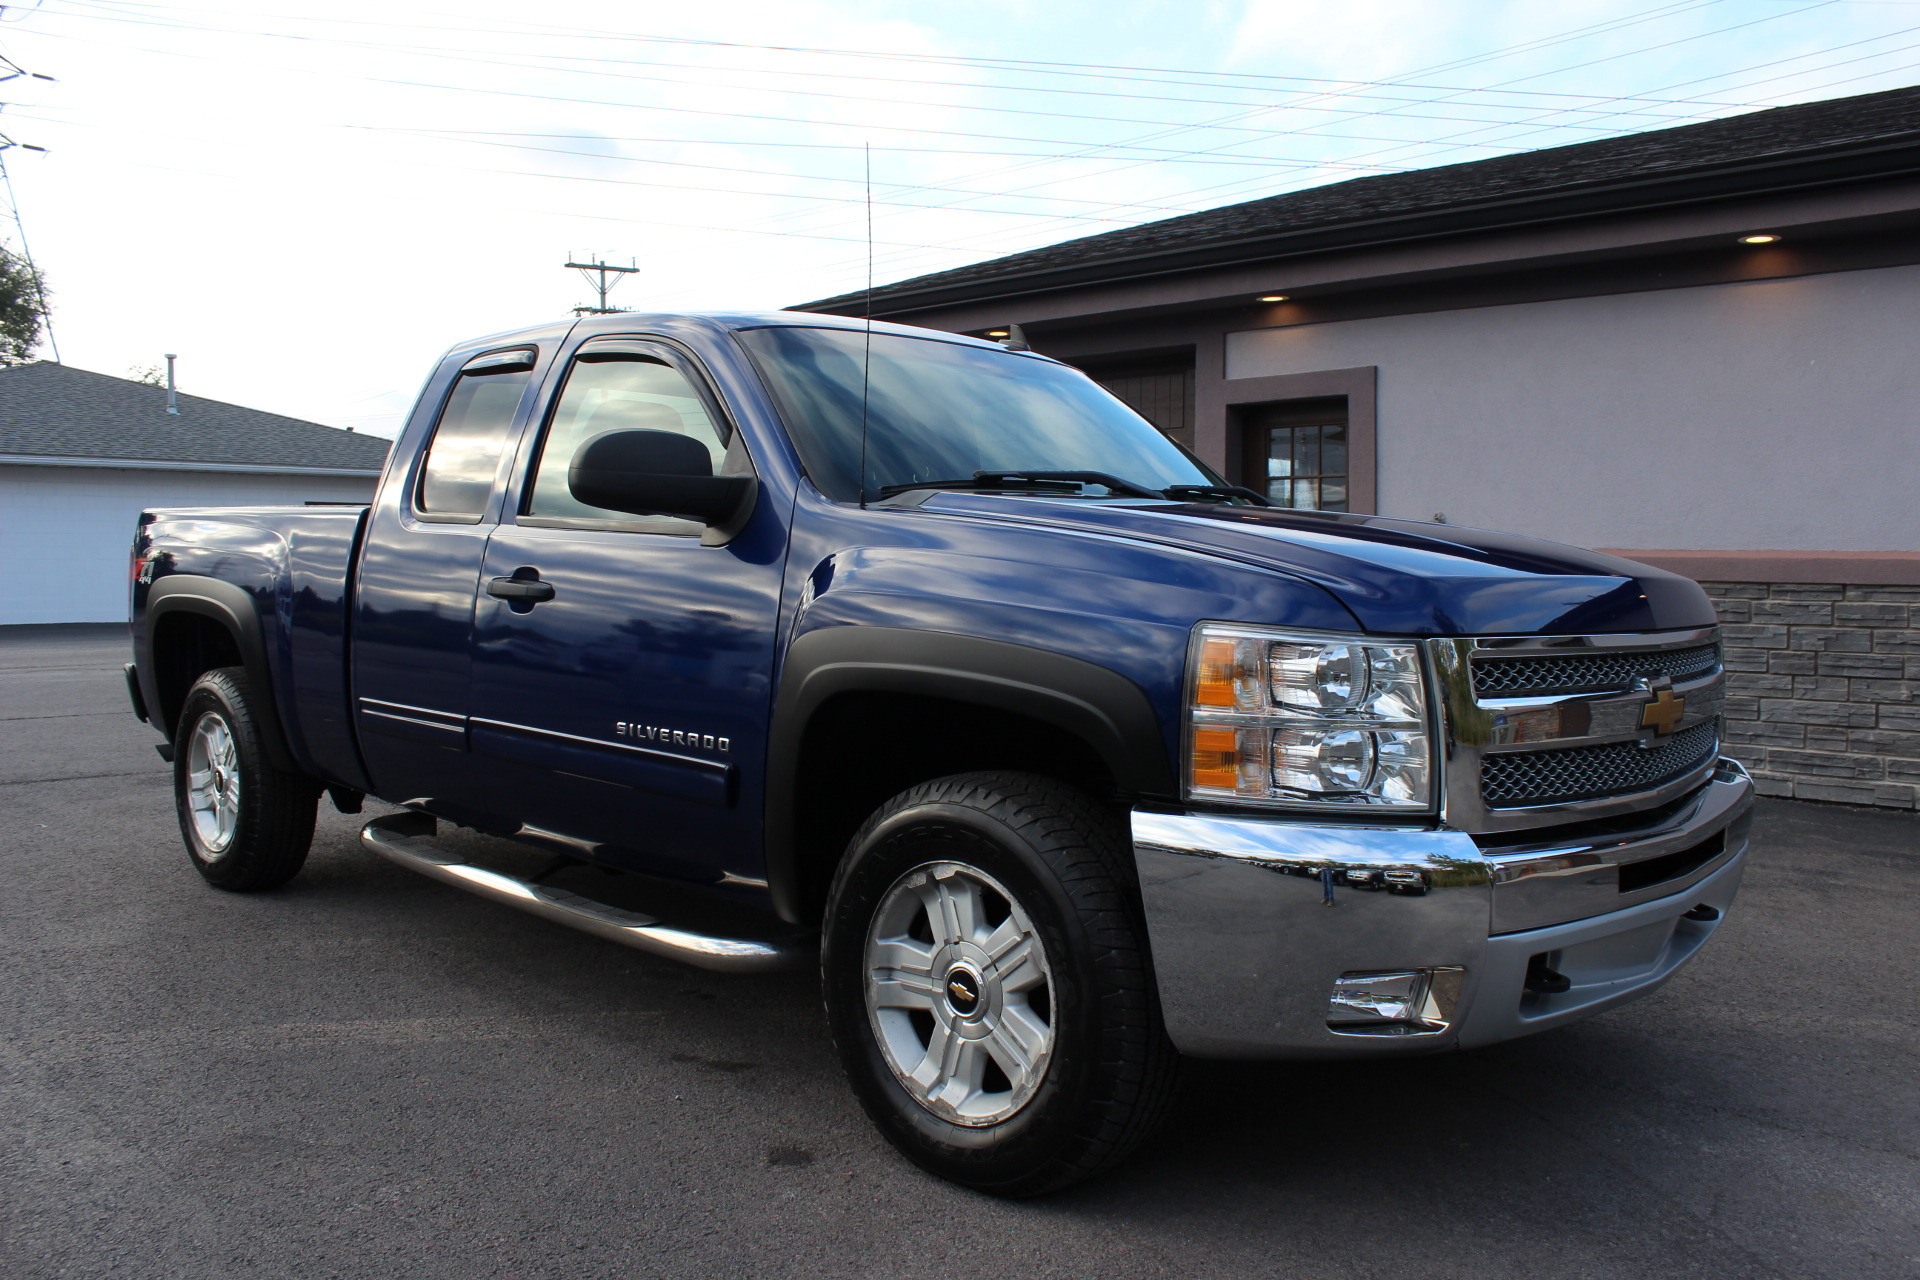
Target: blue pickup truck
[[923, 659]]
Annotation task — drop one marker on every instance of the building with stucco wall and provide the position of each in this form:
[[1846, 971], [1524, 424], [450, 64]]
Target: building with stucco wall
[[1695, 347]]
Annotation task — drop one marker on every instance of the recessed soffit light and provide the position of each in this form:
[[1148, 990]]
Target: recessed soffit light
[[1273, 297], [1760, 237]]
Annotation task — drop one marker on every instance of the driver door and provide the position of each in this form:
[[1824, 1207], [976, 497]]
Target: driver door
[[620, 706]]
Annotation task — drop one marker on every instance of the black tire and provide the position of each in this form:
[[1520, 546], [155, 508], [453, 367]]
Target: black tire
[[1064, 861], [264, 843]]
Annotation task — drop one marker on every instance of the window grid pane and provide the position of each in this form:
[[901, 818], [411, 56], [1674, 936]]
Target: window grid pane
[[1307, 466]]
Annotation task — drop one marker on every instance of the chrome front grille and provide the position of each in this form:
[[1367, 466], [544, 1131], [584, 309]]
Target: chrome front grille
[[1588, 672], [1581, 773], [1542, 731]]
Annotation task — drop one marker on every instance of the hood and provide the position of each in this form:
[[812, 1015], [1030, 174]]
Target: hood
[[1398, 577]]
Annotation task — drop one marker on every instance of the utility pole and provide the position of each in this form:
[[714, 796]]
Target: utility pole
[[596, 275], [14, 72]]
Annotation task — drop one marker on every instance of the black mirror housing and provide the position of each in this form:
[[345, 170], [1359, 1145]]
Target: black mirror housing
[[655, 473]]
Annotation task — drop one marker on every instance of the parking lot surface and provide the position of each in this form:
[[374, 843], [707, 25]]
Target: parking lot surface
[[369, 1074]]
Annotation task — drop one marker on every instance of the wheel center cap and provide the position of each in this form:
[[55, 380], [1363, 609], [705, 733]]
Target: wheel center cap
[[963, 991]]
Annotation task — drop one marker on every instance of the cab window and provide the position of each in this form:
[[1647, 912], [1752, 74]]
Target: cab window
[[616, 391], [473, 433]]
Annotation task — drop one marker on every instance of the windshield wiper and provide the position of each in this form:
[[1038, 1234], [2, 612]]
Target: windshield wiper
[[1049, 481], [1216, 493], [985, 480], [1065, 481], [1113, 484]]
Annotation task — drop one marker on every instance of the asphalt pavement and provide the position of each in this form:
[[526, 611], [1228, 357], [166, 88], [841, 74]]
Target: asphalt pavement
[[369, 1074]]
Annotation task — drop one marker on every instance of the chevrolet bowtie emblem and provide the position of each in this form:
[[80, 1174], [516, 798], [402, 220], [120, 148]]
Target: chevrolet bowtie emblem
[[1662, 715]]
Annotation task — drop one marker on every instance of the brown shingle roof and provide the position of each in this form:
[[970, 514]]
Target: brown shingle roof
[[1868, 135]]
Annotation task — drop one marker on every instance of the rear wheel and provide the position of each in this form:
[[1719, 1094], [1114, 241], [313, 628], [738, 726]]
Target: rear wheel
[[246, 824], [987, 979]]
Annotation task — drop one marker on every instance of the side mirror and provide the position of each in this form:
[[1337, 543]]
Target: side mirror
[[655, 473]]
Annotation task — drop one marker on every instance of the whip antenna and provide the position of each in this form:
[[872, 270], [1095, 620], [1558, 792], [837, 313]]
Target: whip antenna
[[866, 363]]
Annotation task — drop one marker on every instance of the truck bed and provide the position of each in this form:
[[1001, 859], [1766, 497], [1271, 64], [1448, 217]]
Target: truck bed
[[297, 564]]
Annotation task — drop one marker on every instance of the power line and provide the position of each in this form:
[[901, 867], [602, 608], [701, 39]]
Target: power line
[[1819, 4], [463, 134], [1108, 148], [1165, 127], [1630, 20], [1249, 109], [1584, 112], [1804, 9], [716, 168], [779, 195], [1021, 66], [1217, 190]]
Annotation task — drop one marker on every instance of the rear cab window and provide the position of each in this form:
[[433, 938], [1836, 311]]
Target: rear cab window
[[473, 434]]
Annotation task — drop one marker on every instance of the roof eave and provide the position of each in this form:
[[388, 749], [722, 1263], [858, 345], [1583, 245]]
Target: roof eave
[[168, 464], [1825, 166]]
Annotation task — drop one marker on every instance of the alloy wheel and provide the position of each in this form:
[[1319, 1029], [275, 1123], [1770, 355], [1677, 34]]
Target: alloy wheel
[[213, 785], [959, 993]]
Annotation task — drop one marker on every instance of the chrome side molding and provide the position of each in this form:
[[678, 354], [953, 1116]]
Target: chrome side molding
[[403, 838]]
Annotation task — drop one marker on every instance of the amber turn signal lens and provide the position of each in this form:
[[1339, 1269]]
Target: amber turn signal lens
[[1215, 686], [1216, 758]]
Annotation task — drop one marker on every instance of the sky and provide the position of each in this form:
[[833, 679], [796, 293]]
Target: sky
[[309, 207]]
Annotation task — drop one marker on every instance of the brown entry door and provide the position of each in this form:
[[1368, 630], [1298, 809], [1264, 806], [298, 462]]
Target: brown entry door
[[1297, 452]]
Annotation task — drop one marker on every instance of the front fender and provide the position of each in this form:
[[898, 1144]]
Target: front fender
[[1102, 708]]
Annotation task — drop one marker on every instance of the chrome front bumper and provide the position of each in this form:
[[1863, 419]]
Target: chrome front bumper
[[1253, 920]]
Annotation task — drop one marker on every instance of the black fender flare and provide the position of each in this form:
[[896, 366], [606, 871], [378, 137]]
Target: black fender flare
[[234, 610], [1101, 707]]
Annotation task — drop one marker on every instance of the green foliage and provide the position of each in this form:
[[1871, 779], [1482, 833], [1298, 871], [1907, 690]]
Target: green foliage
[[151, 374], [21, 294]]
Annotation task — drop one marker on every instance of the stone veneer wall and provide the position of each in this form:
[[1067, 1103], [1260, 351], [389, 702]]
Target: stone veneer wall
[[1823, 689]]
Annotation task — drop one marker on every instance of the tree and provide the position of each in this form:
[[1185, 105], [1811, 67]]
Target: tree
[[22, 308], [150, 374]]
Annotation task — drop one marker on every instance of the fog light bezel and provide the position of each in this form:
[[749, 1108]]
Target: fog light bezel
[[1431, 998]]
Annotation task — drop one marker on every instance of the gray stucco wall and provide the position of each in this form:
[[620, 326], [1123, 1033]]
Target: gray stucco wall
[[1768, 415]]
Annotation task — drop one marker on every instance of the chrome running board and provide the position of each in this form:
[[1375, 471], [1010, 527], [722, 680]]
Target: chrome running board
[[401, 838]]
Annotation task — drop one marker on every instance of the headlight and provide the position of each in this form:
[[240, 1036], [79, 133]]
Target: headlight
[[1289, 718]]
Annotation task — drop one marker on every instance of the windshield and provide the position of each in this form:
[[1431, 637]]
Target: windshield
[[942, 411]]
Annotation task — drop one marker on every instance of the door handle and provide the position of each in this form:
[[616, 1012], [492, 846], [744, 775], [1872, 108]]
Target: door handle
[[529, 590]]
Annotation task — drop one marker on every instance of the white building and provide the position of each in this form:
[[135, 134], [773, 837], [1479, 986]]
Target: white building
[[82, 454]]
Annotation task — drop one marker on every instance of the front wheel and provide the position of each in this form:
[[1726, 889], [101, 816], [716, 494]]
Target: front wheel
[[988, 983], [246, 824]]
